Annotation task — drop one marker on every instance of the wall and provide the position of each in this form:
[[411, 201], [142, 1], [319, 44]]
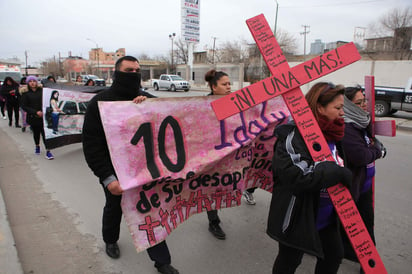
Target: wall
[[387, 73]]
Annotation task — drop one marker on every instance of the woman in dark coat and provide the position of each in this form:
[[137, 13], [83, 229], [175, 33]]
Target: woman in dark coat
[[361, 150], [10, 91], [301, 217]]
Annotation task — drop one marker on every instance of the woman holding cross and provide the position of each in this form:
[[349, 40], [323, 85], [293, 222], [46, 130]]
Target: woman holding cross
[[301, 216]]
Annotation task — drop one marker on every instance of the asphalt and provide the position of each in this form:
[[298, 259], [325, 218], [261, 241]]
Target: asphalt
[[9, 260]]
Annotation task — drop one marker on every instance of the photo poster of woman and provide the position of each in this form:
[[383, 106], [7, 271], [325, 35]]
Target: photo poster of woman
[[63, 115]]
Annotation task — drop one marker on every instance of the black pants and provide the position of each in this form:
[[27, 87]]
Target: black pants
[[213, 217], [289, 258], [37, 131], [2, 104], [13, 106], [112, 217]]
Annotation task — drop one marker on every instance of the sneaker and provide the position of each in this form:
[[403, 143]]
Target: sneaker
[[250, 200], [4, 118], [37, 150], [49, 155], [23, 129]]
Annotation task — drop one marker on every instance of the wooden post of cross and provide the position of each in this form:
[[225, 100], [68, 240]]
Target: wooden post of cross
[[381, 127], [286, 82]]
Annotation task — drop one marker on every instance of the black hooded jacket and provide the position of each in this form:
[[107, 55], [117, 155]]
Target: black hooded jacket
[[295, 198], [125, 87]]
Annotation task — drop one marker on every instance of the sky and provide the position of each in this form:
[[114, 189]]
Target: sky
[[46, 28]]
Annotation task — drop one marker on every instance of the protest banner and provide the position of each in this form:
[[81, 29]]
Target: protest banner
[[316, 144], [68, 125], [174, 159]]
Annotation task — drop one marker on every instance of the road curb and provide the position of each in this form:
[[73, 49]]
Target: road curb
[[9, 261]]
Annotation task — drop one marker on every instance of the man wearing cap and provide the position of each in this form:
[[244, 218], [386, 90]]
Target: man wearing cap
[[126, 86], [32, 103]]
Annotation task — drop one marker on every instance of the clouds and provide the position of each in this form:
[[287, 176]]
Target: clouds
[[45, 28]]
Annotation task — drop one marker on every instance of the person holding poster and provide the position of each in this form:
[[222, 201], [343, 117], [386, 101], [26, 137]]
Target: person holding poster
[[126, 83], [219, 84], [301, 216], [361, 150], [32, 103]]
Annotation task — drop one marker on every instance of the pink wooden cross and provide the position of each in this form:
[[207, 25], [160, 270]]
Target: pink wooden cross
[[286, 82]]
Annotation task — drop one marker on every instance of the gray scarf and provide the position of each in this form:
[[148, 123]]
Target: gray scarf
[[354, 114]]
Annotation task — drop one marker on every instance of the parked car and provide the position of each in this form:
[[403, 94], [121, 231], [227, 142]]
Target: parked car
[[171, 82], [97, 81], [388, 100], [73, 107]]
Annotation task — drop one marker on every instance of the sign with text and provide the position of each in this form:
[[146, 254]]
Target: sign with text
[[309, 129], [174, 159], [191, 20], [286, 79]]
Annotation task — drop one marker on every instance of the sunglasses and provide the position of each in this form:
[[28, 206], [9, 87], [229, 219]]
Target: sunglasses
[[327, 88]]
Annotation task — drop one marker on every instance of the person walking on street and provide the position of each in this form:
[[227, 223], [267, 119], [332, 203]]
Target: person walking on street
[[10, 91], [219, 84], [22, 89], [126, 83], [301, 216], [32, 103], [361, 150]]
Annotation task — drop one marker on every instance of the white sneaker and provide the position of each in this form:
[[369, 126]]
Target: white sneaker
[[250, 200], [4, 118]]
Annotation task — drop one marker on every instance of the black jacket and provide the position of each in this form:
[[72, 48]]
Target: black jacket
[[95, 147], [32, 102], [10, 98], [359, 155], [295, 198]]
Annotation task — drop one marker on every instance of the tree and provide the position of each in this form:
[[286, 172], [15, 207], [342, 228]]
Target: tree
[[397, 23], [181, 53]]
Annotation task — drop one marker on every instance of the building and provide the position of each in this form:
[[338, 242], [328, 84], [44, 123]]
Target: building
[[317, 47]]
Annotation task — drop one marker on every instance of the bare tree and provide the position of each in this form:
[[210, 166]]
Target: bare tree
[[396, 18], [181, 52], [287, 42], [397, 23]]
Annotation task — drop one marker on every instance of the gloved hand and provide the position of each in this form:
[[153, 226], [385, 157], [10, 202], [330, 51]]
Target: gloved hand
[[380, 146], [332, 174]]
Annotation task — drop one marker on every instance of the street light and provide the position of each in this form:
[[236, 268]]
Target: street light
[[276, 18], [97, 56], [171, 37]]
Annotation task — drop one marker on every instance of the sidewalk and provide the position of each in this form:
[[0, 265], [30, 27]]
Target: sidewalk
[[9, 260]]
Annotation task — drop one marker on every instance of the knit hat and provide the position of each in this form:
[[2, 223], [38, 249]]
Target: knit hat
[[31, 78]]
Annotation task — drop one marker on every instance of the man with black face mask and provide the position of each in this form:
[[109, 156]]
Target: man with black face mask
[[126, 86]]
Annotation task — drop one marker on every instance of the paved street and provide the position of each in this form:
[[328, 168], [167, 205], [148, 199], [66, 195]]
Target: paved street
[[54, 210]]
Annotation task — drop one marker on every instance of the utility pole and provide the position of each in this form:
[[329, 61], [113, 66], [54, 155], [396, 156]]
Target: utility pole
[[276, 18], [214, 43], [306, 31], [25, 53], [97, 56]]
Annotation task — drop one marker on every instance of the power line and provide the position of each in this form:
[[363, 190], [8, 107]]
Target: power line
[[333, 4]]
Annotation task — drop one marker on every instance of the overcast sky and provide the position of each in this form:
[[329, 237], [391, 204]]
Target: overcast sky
[[44, 28]]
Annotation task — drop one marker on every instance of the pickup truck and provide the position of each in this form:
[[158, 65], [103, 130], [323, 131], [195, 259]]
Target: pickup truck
[[170, 82], [389, 100]]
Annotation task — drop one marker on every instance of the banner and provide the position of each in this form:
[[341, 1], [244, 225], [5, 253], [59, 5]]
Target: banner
[[64, 128], [174, 159]]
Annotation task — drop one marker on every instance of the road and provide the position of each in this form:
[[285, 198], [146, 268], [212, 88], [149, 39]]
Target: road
[[55, 208]]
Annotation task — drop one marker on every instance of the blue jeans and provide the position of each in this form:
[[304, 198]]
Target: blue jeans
[[55, 121]]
